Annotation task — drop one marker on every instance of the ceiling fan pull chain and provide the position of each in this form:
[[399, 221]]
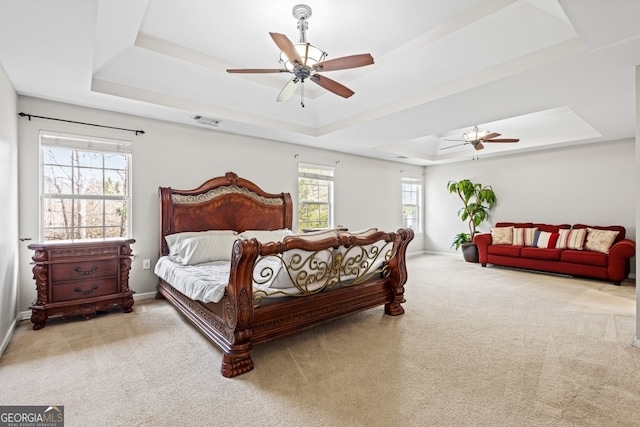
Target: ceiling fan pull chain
[[302, 94]]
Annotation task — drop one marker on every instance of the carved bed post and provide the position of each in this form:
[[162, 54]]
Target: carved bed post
[[238, 309], [397, 265]]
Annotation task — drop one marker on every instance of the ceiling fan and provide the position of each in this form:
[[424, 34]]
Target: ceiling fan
[[305, 60], [476, 137]]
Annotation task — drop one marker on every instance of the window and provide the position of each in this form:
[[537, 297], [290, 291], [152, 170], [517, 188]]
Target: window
[[85, 187], [315, 197], [411, 203]]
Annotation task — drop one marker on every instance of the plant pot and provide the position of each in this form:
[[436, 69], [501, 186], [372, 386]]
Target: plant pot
[[470, 252]]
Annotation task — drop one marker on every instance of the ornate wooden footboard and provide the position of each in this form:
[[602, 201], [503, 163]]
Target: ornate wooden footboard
[[322, 278]]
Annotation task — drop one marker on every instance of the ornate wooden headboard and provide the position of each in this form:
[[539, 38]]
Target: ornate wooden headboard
[[223, 203]]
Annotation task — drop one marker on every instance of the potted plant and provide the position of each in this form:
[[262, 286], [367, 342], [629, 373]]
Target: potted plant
[[477, 200]]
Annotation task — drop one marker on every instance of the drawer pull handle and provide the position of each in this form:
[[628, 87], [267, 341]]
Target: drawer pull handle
[[86, 272], [80, 291]]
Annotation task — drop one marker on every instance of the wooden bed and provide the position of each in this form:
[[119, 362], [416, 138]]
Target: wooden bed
[[243, 318]]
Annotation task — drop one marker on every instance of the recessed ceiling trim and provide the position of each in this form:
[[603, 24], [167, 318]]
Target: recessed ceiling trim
[[496, 72], [134, 93]]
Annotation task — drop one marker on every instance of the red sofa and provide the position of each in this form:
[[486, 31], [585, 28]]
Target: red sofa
[[613, 266]]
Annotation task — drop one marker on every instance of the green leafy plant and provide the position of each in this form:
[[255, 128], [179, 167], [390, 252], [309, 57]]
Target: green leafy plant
[[477, 200]]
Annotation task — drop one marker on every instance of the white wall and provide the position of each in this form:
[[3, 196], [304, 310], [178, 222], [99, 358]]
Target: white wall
[[184, 157], [8, 210], [637, 196], [592, 184]]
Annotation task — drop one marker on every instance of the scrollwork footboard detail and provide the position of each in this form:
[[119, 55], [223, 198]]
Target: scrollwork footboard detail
[[299, 272]]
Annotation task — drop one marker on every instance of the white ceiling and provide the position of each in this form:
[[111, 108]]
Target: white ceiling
[[550, 72]]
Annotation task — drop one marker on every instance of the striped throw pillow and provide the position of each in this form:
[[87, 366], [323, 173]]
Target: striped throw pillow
[[545, 239], [524, 236], [572, 239]]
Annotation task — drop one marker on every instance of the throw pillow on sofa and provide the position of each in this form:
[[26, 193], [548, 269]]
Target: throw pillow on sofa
[[600, 240], [523, 236], [545, 239], [571, 239], [501, 235]]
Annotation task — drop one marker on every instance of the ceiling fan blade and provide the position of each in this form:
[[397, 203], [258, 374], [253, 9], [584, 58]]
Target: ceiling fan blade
[[257, 70], [288, 90], [502, 140], [489, 136], [331, 85], [344, 62], [285, 45], [478, 145], [456, 145]]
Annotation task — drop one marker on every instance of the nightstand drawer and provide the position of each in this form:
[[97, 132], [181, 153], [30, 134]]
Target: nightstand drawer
[[86, 289], [84, 270]]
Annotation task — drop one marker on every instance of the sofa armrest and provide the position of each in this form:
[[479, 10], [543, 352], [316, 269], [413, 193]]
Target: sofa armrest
[[482, 241], [619, 266]]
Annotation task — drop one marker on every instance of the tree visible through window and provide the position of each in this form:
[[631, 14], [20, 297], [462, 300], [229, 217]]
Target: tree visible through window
[[411, 203], [85, 187], [315, 197]]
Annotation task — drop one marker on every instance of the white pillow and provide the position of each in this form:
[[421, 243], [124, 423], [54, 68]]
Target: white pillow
[[204, 248], [264, 236], [175, 238]]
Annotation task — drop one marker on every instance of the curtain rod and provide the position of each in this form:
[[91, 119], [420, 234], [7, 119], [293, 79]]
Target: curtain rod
[[137, 132]]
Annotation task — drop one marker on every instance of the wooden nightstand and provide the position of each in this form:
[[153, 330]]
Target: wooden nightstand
[[80, 278]]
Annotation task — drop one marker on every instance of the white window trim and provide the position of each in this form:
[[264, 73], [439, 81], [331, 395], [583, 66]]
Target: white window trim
[[83, 143], [420, 204], [328, 178]]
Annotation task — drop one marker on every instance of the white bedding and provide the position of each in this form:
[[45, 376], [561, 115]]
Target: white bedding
[[203, 282], [206, 282]]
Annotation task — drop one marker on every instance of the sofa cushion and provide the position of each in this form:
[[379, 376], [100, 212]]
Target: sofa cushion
[[523, 236], [504, 250], [600, 240], [501, 235], [541, 253], [571, 239], [584, 257]]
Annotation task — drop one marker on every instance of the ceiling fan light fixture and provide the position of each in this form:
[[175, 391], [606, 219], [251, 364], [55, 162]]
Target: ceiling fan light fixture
[[309, 53], [475, 135]]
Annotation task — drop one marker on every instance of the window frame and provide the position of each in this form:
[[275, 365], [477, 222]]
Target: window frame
[[407, 221], [84, 144], [327, 178]]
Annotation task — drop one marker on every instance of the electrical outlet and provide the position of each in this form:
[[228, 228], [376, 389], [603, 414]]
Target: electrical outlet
[[146, 264]]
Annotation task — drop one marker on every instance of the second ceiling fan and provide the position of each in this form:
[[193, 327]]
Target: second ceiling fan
[[305, 61], [476, 137]]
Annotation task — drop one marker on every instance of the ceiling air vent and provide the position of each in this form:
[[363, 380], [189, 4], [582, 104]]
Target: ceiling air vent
[[208, 121]]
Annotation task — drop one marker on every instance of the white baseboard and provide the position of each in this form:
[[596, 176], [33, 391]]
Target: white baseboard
[[9, 334], [144, 296]]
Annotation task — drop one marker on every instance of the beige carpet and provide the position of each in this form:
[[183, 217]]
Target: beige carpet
[[476, 347]]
